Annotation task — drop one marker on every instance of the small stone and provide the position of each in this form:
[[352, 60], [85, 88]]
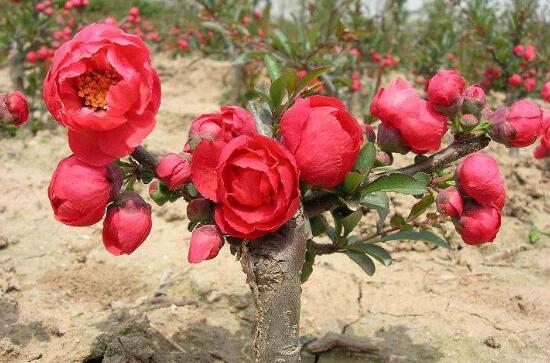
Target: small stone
[[492, 342], [3, 242]]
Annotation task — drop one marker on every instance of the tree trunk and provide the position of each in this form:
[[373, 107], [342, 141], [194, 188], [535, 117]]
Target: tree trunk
[[273, 264]]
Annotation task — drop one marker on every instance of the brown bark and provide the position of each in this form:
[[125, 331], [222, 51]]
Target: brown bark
[[272, 265]]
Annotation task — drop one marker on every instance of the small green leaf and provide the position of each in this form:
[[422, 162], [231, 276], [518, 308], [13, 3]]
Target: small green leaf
[[366, 158], [375, 251], [421, 206], [351, 221], [245, 57], [534, 235], [421, 235], [276, 91], [352, 182], [363, 261], [310, 76], [397, 220], [272, 67], [422, 177], [396, 182], [378, 201], [319, 225], [307, 268]]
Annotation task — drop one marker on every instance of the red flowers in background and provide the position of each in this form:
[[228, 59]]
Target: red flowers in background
[[79, 192], [257, 187], [103, 88], [14, 109], [323, 137]]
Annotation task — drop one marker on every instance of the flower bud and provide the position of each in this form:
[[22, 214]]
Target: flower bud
[[206, 242], [127, 224], [199, 210], [79, 192], [530, 84], [518, 50], [449, 202], [478, 224], [389, 139], [514, 80], [541, 152], [14, 109], [478, 176], [545, 92], [530, 53], [474, 99], [174, 170], [518, 125], [445, 91], [383, 159], [370, 136], [468, 122]]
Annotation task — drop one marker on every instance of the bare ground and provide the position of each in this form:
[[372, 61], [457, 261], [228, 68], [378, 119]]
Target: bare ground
[[63, 298]]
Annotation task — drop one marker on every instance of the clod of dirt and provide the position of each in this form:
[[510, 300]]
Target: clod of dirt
[[8, 281], [3, 242], [492, 342]]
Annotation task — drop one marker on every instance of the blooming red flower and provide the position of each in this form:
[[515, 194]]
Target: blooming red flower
[[257, 187], [174, 170], [102, 87], [449, 202], [79, 192], [205, 244], [478, 224], [323, 137], [14, 109], [518, 125], [514, 80], [545, 92], [397, 100], [478, 176], [127, 224], [530, 53], [445, 91]]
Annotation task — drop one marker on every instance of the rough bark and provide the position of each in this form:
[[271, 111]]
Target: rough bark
[[272, 265]]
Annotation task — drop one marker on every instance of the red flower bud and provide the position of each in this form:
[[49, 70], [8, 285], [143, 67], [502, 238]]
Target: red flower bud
[[530, 84], [478, 224], [199, 210], [449, 202], [478, 176], [369, 132], [206, 242], [518, 125], [468, 122], [315, 118], [389, 139], [133, 11], [445, 91], [514, 80], [79, 193], [31, 57], [543, 150], [14, 109], [474, 99], [530, 53], [545, 92], [127, 224], [518, 50], [383, 159], [174, 170]]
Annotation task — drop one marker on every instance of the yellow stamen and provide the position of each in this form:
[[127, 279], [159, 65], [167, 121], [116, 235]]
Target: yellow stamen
[[93, 86]]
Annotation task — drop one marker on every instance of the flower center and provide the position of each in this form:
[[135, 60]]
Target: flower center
[[93, 86]]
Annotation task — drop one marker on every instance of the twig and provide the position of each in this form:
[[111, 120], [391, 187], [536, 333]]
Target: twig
[[332, 340]]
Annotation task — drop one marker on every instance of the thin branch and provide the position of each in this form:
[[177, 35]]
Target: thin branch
[[322, 248], [145, 158]]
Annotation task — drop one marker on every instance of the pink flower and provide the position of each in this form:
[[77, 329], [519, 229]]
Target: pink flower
[[206, 242], [79, 192], [174, 170], [323, 137], [127, 224]]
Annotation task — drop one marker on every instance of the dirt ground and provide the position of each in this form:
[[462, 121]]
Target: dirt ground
[[63, 298]]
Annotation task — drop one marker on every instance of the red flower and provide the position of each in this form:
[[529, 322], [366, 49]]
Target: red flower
[[174, 170], [31, 57], [474, 99], [102, 87], [205, 244], [530, 53], [257, 188], [478, 224], [514, 80], [127, 224], [79, 192], [445, 91], [14, 109], [543, 150], [545, 92], [530, 84], [518, 50], [400, 107], [478, 176], [323, 137], [449, 202], [518, 125]]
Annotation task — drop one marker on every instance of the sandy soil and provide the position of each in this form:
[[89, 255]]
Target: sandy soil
[[64, 299]]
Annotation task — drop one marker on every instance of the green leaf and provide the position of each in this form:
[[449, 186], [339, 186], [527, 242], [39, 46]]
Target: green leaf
[[214, 26], [352, 182], [245, 57], [422, 177], [272, 67], [421, 206], [280, 41], [397, 220], [363, 261], [421, 235], [319, 225], [351, 221], [534, 235], [366, 158], [375, 251], [310, 76], [307, 268], [378, 201], [276, 91], [396, 182]]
